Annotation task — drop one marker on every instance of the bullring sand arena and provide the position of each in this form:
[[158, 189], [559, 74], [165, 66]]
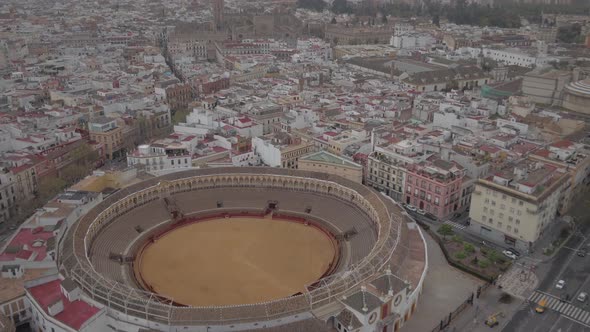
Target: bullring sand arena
[[237, 260]]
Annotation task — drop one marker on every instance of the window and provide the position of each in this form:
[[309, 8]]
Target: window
[[492, 212], [490, 221], [485, 209], [487, 200], [516, 231], [499, 225], [493, 203], [509, 228], [510, 219], [511, 210], [518, 221], [518, 212], [501, 215], [521, 203], [503, 196], [502, 206], [513, 200]]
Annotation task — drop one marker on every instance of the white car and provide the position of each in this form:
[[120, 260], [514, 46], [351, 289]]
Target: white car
[[411, 208], [421, 212], [509, 254], [560, 284]]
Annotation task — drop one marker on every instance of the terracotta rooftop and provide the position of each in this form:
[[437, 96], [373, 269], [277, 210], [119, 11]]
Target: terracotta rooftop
[[74, 314]]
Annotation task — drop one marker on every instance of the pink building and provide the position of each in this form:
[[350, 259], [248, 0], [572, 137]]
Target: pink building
[[435, 187]]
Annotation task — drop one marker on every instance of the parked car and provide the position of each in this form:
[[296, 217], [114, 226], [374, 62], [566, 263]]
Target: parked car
[[560, 284], [421, 212], [582, 297], [430, 216], [410, 208], [514, 251], [582, 252], [509, 254]]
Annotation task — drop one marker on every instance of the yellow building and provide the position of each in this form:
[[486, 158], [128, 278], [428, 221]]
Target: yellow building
[[326, 162], [105, 131], [514, 206]]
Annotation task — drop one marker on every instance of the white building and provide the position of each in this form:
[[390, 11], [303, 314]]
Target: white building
[[268, 153], [512, 127], [414, 40], [160, 158]]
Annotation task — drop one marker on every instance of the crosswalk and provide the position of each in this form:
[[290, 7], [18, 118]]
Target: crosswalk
[[454, 224], [564, 308]]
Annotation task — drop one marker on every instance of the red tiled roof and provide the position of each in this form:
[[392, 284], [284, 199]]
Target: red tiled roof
[[27, 237], [74, 314], [542, 153], [489, 149], [24, 254], [562, 144]]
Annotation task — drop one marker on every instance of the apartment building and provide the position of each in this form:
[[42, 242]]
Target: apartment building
[[574, 157], [106, 131], [160, 157], [435, 186], [514, 206], [281, 149], [386, 173]]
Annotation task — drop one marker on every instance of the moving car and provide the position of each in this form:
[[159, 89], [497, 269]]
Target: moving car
[[411, 208], [509, 254], [582, 252], [582, 297], [541, 307], [493, 319], [560, 284]]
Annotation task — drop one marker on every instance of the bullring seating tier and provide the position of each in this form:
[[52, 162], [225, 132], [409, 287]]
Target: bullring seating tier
[[116, 237]]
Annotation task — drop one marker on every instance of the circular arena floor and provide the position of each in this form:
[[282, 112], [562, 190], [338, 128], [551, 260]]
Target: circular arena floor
[[238, 260]]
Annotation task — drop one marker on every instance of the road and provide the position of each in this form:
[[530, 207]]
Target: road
[[561, 315]]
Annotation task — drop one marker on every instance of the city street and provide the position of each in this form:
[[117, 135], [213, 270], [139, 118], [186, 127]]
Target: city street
[[565, 312]]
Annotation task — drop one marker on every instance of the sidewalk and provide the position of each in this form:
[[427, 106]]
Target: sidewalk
[[445, 288], [518, 281], [473, 318]]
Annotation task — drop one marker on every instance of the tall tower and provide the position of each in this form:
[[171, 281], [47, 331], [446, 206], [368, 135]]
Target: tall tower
[[217, 9]]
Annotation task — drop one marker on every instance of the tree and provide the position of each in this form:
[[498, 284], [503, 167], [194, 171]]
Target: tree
[[384, 19], [333, 21], [436, 20], [445, 230], [493, 256], [341, 7], [49, 187], [468, 247], [569, 34], [315, 5]]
